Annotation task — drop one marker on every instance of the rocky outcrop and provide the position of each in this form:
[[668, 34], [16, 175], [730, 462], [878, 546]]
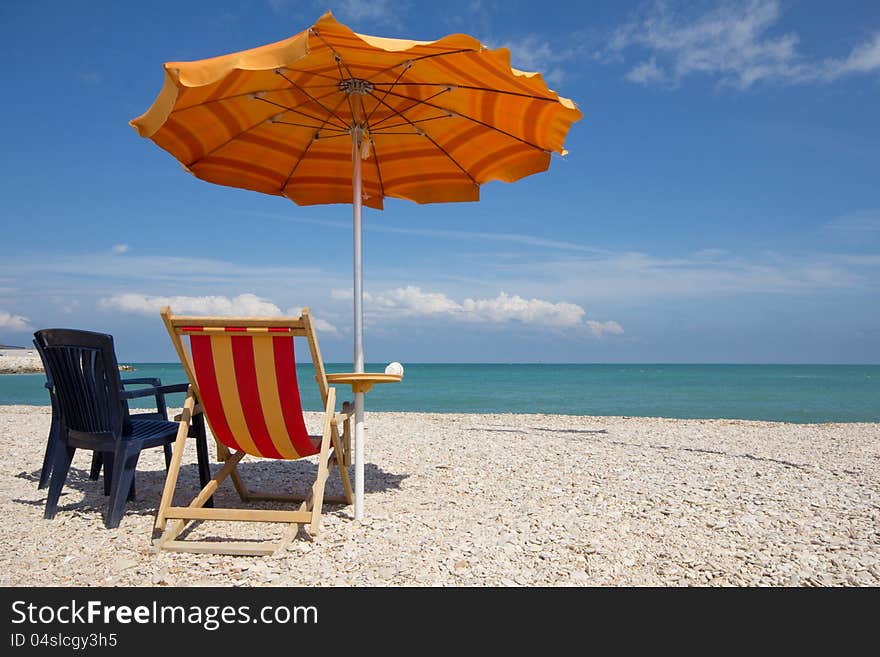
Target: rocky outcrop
[[27, 361]]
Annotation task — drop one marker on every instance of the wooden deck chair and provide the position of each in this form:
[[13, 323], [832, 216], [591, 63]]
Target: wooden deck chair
[[242, 374]]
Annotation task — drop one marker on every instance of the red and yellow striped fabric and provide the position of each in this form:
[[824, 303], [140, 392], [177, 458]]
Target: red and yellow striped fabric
[[437, 119], [248, 389]]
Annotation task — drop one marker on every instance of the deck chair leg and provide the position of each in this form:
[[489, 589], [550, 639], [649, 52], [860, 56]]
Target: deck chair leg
[[179, 524], [346, 436], [323, 460], [317, 498], [168, 451], [176, 458], [239, 485], [63, 457], [339, 456], [243, 493], [124, 465]]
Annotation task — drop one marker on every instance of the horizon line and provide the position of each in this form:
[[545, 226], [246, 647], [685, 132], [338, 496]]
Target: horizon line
[[539, 362]]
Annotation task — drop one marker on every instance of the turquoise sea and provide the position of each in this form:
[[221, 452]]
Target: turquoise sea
[[788, 393]]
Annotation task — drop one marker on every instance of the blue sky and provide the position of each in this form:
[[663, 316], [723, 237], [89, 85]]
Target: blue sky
[[720, 201]]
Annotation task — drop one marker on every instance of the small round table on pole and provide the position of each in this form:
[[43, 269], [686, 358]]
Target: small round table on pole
[[361, 383]]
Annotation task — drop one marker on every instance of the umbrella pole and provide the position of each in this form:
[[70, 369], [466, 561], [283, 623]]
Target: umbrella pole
[[357, 186]]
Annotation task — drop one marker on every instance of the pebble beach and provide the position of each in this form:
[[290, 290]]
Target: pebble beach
[[492, 500]]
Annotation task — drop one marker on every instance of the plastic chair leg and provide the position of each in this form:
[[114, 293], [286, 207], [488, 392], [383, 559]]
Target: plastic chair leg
[[125, 462], [168, 452], [95, 472], [107, 459], [53, 444], [63, 457]]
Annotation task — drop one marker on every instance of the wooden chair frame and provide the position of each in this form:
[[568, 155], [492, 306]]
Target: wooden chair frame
[[335, 451]]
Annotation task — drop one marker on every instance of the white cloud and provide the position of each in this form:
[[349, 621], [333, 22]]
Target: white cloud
[[244, 305], [601, 328], [322, 326], [412, 301], [647, 72], [119, 249], [534, 53], [553, 59], [734, 43], [532, 311], [12, 322], [865, 58]]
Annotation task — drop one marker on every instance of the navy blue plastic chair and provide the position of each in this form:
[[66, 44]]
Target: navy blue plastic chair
[[156, 390], [91, 411]]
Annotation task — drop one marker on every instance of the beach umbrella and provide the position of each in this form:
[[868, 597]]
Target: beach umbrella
[[331, 116]]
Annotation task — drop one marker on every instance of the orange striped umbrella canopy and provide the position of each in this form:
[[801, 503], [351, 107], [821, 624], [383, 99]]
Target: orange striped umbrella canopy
[[432, 120]]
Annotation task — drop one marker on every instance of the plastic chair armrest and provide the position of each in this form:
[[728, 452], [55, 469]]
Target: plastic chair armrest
[[172, 388], [150, 381]]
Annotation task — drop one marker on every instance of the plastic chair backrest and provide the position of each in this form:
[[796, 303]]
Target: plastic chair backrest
[[82, 367]]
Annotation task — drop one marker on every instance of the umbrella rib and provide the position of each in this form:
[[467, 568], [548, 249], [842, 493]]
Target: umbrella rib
[[341, 78], [471, 118], [415, 104], [249, 93], [234, 137], [469, 87], [313, 127], [396, 80], [220, 100], [317, 75], [431, 139], [296, 165], [326, 137], [316, 101], [333, 50], [305, 114], [398, 125], [306, 149], [418, 59]]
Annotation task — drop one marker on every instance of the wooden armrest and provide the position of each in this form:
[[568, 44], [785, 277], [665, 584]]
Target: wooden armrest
[[346, 413], [197, 410]]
